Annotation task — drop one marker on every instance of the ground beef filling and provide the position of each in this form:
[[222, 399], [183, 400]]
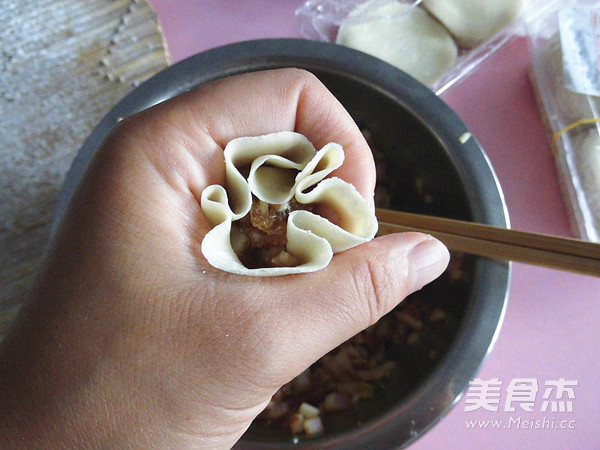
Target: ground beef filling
[[259, 239]]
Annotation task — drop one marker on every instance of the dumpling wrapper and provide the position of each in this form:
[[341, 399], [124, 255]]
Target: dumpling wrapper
[[473, 22], [276, 168], [587, 161], [411, 40], [571, 106]]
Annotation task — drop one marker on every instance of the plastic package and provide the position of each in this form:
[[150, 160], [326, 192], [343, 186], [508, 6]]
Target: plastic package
[[323, 19], [564, 39]]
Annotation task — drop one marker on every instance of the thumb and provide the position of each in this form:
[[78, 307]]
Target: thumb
[[377, 276], [358, 287]]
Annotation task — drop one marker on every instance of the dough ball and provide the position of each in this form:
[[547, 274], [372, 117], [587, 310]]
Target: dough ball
[[474, 21], [412, 41]]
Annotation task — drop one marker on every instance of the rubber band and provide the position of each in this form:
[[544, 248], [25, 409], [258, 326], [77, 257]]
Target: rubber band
[[559, 133]]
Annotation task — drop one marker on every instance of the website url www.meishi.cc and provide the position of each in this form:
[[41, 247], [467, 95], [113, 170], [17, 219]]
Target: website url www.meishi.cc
[[520, 423]]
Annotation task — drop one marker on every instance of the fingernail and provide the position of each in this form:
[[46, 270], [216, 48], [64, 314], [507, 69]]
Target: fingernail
[[429, 259]]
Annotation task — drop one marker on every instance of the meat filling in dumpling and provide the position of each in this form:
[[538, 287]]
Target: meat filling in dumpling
[[259, 239]]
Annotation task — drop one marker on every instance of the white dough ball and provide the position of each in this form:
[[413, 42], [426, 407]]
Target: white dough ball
[[474, 21], [412, 41]]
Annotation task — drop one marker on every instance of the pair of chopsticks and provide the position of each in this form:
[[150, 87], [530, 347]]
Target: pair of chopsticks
[[555, 252]]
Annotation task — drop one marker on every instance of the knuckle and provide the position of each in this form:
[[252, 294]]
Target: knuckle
[[372, 283]]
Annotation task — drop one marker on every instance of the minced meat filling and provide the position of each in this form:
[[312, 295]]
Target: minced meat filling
[[259, 239]]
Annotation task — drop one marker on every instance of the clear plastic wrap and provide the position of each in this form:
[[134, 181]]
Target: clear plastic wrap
[[322, 20], [564, 39]]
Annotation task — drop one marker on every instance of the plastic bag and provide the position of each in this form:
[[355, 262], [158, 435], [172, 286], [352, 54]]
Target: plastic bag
[[322, 19], [564, 39]]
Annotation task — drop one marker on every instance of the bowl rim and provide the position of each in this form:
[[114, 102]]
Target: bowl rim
[[420, 410]]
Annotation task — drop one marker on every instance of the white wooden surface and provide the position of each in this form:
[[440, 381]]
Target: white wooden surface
[[63, 65]]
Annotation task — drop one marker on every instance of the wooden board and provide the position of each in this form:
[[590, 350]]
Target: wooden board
[[63, 65]]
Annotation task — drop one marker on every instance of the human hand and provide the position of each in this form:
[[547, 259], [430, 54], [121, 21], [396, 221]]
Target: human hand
[[131, 339]]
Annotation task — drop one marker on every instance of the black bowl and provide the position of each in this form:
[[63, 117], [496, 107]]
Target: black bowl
[[420, 138]]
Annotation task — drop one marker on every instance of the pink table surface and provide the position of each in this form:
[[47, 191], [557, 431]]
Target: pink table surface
[[550, 331]]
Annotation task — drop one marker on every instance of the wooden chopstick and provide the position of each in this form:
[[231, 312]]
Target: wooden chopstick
[[499, 243]]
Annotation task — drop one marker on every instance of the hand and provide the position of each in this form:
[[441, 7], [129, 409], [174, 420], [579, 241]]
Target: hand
[[130, 338]]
